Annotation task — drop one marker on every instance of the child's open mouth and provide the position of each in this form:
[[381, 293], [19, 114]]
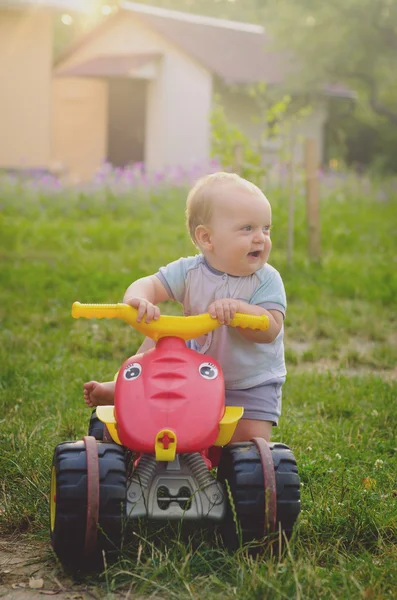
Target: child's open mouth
[[255, 254]]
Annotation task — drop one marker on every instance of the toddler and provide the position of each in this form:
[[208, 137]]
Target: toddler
[[229, 220]]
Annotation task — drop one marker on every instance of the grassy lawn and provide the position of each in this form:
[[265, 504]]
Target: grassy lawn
[[339, 403]]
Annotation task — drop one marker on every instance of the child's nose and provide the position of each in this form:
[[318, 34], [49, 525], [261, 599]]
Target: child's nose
[[259, 236]]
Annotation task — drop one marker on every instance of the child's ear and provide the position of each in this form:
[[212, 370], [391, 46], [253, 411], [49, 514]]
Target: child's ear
[[203, 237]]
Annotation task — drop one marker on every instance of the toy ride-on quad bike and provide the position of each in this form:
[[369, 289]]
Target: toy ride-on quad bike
[[170, 413]]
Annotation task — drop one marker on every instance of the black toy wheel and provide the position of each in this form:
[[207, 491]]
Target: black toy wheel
[[68, 502], [241, 467], [96, 428]]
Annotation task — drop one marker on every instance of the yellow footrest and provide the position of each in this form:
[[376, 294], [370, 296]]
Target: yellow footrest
[[228, 424]]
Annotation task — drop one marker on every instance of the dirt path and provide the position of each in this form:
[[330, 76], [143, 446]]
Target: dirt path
[[27, 572], [328, 366]]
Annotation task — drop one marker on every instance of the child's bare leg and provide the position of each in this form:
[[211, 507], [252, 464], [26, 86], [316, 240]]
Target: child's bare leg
[[102, 394], [99, 394], [249, 428]]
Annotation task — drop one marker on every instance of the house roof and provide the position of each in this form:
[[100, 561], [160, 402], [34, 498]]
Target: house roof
[[81, 6], [115, 65], [234, 51], [239, 53], [185, 17]]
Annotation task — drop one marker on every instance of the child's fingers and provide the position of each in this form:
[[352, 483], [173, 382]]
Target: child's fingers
[[226, 314], [219, 309], [233, 309], [216, 311], [149, 312], [141, 310], [152, 312]]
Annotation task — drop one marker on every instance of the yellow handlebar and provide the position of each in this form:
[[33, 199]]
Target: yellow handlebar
[[186, 328]]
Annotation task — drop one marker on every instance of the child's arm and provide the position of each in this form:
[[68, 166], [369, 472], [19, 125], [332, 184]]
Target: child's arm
[[144, 294], [276, 319]]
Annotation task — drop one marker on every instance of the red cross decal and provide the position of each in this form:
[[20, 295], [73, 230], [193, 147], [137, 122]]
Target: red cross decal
[[166, 441]]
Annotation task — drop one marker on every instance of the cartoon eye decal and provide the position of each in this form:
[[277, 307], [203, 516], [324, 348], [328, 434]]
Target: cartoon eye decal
[[208, 370], [132, 371]]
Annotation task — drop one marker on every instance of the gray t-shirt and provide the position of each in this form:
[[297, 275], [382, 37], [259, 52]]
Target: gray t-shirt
[[195, 284]]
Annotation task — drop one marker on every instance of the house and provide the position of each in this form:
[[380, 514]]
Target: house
[[25, 79], [140, 87]]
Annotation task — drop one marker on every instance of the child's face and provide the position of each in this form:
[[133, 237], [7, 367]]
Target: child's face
[[239, 232]]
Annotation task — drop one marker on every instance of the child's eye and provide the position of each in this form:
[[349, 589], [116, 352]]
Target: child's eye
[[267, 228], [247, 228]]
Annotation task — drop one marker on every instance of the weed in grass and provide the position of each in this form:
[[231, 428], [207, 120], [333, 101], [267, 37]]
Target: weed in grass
[[309, 355], [291, 357]]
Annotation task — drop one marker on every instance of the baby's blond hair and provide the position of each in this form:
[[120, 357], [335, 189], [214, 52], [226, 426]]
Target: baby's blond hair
[[200, 200]]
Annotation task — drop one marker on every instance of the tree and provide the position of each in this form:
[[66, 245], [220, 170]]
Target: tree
[[351, 42]]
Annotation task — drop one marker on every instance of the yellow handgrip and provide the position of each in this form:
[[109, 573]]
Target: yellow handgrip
[[101, 311], [250, 321], [187, 328]]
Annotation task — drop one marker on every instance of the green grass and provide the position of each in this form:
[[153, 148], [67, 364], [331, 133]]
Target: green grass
[[339, 403]]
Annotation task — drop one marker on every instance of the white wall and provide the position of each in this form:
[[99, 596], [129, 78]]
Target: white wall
[[178, 116]]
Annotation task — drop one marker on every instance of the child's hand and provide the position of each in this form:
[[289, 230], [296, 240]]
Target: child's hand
[[224, 310], [144, 307], [94, 394]]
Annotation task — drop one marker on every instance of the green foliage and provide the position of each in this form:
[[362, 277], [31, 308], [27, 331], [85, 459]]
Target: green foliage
[[340, 422], [352, 43], [366, 141], [350, 40], [273, 117], [232, 148]]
